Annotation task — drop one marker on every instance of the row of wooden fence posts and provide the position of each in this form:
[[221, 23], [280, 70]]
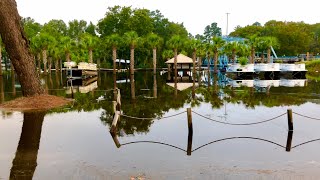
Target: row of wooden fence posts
[[116, 118]]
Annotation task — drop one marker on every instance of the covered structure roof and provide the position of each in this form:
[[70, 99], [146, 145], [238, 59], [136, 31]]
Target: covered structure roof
[[181, 59]]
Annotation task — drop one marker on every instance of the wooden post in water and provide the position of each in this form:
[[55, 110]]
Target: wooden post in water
[[290, 120], [118, 100], [114, 103], [289, 141], [115, 121], [190, 132], [115, 139]]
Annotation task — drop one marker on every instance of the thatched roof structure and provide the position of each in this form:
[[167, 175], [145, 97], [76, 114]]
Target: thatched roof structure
[[181, 59]]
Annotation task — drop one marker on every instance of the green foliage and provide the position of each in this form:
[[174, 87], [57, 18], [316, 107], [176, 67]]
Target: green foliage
[[293, 37], [211, 31], [243, 61], [313, 66]]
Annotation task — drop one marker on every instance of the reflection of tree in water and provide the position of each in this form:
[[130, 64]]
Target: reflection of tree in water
[[25, 161]]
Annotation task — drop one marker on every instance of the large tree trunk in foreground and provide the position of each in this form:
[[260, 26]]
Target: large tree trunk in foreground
[[17, 46]]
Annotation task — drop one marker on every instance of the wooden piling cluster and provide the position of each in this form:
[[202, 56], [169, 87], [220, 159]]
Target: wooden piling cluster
[[116, 112]]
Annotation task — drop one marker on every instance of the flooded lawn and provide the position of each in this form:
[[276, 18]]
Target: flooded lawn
[[239, 129]]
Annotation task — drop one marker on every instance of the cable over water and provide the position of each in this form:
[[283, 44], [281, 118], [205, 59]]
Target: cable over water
[[143, 118], [224, 139], [239, 124], [306, 116], [306, 143], [155, 142]]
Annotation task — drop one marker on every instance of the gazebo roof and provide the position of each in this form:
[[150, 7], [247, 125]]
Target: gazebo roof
[[181, 59]]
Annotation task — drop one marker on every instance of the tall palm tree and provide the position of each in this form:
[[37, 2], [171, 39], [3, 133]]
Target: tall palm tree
[[232, 47], [194, 44], [36, 50], [67, 45], [252, 42], [218, 44], [132, 39], [46, 40], [154, 41], [167, 54], [271, 42], [175, 43], [201, 52], [113, 41], [89, 42]]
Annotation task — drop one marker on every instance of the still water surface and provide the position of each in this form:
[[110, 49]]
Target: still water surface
[[74, 142]]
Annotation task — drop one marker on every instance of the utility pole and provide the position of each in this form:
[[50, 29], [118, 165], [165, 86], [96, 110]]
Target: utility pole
[[227, 23]]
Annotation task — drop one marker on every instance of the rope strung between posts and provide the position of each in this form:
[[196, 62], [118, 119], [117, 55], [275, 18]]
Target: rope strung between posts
[[142, 118], [306, 116], [305, 143], [155, 142], [239, 124], [231, 138]]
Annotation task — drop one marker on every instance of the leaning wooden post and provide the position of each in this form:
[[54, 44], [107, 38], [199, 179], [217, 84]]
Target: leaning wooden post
[[115, 139], [290, 120], [118, 100], [114, 103], [190, 132], [289, 141], [114, 122]]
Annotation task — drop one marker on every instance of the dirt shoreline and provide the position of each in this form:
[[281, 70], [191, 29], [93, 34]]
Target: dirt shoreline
[[35, 103]]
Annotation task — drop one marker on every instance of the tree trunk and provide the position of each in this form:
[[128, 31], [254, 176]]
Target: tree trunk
[[268, 55], [56, 65], [25, 161], [155, 92], [17, 46], [44, 56], [233, 56], [90, 56], [208, 58], [49, 64], [68, 57], [133, 89], [252, 56], [175, 64], [114, 57], [131, 60], [262, 57], [154, 60], [215, 62], [39, 62], [194, 56]]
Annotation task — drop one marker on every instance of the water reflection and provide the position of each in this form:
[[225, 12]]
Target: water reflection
[[287, 147], [25, 161]]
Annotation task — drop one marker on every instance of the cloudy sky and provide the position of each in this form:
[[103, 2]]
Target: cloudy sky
[[195, 15]]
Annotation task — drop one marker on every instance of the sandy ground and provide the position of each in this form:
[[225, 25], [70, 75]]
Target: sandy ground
[[41, 102]]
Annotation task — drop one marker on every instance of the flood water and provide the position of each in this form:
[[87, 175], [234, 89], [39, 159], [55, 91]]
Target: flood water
[[239, 129]]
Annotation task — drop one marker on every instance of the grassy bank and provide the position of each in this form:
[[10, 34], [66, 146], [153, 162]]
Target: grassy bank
[[313, 67]]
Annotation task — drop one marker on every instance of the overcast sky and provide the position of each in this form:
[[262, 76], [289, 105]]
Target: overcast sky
[[195, 15]]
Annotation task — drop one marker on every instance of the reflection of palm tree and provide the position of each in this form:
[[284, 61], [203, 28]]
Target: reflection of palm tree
[[155, 92], [133, 89], [25, 161]]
